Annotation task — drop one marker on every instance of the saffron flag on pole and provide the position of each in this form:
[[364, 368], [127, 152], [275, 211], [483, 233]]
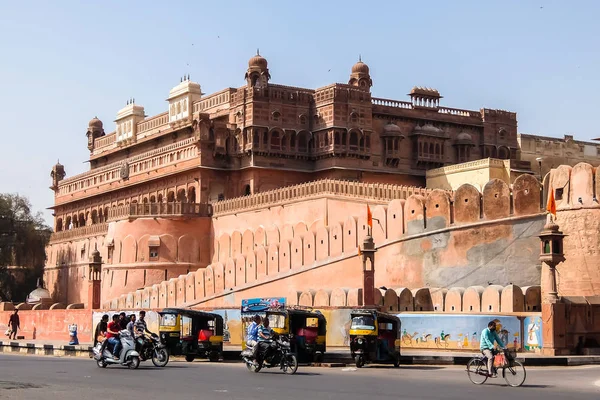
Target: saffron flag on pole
[[551, 206], [369, 217]]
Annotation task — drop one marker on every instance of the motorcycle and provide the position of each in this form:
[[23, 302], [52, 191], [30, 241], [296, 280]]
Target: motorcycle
[[151, 348], [128, 356], [276, 354]]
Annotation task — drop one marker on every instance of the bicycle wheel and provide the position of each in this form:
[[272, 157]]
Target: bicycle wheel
[[477, 371], [514, 374]]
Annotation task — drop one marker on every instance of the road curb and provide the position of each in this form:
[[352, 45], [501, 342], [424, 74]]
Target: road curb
[[331, 360]]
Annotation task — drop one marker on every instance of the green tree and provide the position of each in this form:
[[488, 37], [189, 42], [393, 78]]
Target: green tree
[[23, 238]]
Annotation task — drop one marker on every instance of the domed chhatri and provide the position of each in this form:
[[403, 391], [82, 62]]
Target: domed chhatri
[[258, 61], [391, 129], [360, 68], [95, 123], [39, 295], [464, 137]]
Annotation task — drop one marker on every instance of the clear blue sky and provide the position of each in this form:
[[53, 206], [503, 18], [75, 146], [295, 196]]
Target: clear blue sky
[[64, 62]]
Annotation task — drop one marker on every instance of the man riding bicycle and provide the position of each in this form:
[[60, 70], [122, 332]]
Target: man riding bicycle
[[486, 345]]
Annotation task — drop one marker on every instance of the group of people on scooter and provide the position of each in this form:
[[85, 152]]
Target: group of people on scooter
[[258, 337], [108, 332]]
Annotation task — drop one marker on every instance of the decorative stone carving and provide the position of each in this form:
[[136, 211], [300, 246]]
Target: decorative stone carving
[[124, 170]]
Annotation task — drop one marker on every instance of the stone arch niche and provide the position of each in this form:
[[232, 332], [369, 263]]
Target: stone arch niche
[[314, 227], [350, 235], [355, 297], [128, 250], [395, 219], [560, 183], [146, 296], [438, 298], [272, 235], [236, 244], [188, 249], [172, 292], [224, 247], [414, 214], [322, 244], [472, 299], [250, 267], [240, 270], [181, 290], [273, 260], [380, 229], [336, 246], [422, 299], [308, 244], [362, 227], [163, 294], [168, 248], [300, 229], [261, 263], [338, 298], [378, 295], [200, 284], [247, 241], [230, 274], [533, 298], [219, 277], [129, 301], [190, 287], [296, 252], [526, 195], [154, 296], [496, 199], [405, 299], [209, 284], [512, 299], [437, 205], [390, 300], [284, 256], [260, 237], [582, 185], [287, 233], [454, 299], [306, 298], [322, 298], [490, 299]]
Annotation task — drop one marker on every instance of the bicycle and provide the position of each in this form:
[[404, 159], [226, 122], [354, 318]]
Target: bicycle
[[513, 371]]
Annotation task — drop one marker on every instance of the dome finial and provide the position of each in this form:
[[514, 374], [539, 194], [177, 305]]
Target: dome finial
[[257, 51], [359, 58]]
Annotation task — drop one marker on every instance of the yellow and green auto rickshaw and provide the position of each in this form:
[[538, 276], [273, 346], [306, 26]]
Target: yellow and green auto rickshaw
[[374, 337], [306, 328], [192, 334]]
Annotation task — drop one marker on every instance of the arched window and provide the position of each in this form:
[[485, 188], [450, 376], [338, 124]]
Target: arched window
[[152, 199], [275, 141], [220, 197], [94, 216], [336, 138], [68, 223], [431, 152], [344, 138], [503, 153], [353, 140], [255, 138], [144, 200], [292, 141], [181, 195], [170, 197], [284, 141], [192, 195], [81, 220], [354, 117], [59, 225], [303, 142], [247, 190]]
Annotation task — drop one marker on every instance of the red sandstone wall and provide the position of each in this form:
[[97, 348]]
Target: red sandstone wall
[[51, 324], [436, 241]]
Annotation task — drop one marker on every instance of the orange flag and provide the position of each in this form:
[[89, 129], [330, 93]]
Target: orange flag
[[551, 206], [369, 217]]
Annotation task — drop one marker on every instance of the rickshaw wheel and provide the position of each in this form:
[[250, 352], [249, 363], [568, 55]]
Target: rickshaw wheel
[[189, 358], [213, 356], [318, 357], [397, 362], [360, 361]]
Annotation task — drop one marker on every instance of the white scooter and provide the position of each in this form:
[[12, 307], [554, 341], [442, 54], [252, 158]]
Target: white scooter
[[128, 356]]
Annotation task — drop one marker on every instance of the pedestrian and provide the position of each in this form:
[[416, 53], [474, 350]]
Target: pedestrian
[[14, 324]]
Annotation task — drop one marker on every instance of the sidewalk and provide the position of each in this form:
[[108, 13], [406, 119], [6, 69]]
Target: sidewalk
[[335, 356]]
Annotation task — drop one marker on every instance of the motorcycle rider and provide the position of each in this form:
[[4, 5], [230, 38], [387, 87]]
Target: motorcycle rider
[[265, 334], [131, 325], [252, 335], [112, 336], [140, 324]]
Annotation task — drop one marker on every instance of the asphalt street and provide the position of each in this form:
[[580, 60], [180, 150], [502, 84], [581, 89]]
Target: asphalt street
[[28, 377]]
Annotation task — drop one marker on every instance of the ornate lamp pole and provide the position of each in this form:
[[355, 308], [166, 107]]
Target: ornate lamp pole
[[551, 255], [368, 261], [94, 288]]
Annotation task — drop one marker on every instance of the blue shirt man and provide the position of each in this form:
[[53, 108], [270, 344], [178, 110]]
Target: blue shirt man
[[486, 345], [252, 331]]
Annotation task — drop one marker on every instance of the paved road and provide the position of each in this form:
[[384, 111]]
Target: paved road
[[27, 377]]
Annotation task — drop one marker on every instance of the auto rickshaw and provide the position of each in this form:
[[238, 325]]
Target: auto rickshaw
[[374, 337], [306, 327], [192, 334]]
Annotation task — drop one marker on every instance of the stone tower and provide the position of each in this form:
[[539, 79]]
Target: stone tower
[[257, 74], [57, 174], [95, 130], [360, 75]]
